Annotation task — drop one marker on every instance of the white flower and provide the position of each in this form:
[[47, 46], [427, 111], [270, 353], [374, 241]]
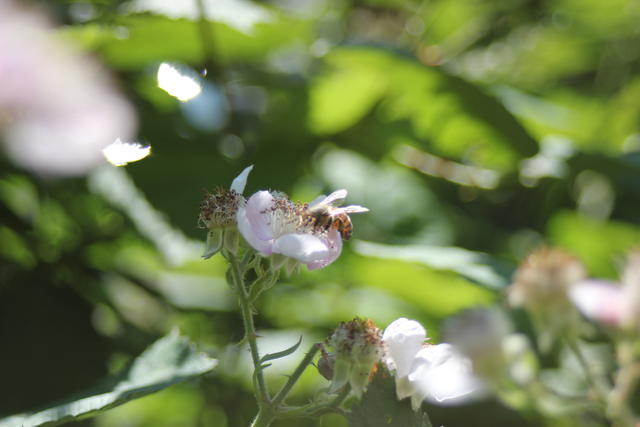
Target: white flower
[[218, 213], [272, 224], [437, 373]]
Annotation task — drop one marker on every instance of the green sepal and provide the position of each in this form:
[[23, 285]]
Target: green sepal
[[290, 265], [232, 240], [283, 353], [215, 240], [341, 374]]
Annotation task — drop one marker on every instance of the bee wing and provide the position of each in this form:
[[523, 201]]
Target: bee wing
[[353, 209], [329, 200]]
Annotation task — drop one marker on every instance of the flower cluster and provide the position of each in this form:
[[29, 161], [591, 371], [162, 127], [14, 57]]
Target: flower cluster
[[309, 233], [437, 373]]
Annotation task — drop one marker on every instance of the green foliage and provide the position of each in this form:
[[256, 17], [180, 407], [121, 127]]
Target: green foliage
[[408, 105], [171, 360]]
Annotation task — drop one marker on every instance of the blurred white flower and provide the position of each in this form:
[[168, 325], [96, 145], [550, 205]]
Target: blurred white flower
[[438, 373], [121, 153], [611, 303], [58, 108]]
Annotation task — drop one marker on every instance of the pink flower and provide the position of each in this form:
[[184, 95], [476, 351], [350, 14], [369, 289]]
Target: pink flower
[[272, 224], [611, 303], [58, 108]]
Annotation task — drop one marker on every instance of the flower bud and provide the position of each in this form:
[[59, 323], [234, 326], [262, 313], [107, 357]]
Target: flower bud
[[357, 348]]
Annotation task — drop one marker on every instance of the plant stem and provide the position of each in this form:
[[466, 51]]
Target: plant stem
[[626, 379], [284, 391], [249, 328]]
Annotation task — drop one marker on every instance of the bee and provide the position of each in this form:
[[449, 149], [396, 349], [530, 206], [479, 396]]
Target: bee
[[322, 213]]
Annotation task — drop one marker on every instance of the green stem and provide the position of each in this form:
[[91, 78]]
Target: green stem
[[284, 391], [249, 327]]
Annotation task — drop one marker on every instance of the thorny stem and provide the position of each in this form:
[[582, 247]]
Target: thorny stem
[[249, 327]]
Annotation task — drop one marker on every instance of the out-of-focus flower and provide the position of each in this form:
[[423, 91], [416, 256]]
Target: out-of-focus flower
[[611, 303], [58, 108], [541, 285], [218, 214], [483, 335], [309, 233], [438, 373], [479, 334], [357, 348]]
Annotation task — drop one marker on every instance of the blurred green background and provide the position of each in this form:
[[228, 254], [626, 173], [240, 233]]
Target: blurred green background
[[474, 130]]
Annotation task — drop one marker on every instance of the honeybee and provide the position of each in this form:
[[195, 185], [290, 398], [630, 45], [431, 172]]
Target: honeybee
[[322, 213]]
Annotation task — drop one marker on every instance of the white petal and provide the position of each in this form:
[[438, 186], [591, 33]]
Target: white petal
[[599, 300], [247, 231], [441, 373], [403, 338], [240, 182], [258, 211], [121, 153], [334, 243], [303, 247]]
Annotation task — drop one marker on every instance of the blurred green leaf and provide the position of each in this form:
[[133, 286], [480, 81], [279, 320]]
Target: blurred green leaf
[[449, 115], [168, 361], [477, 267], [600, 245], [142, 39]]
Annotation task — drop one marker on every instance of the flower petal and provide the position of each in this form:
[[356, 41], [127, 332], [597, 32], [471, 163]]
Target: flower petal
[[403, 339], [240, 181], [258, 211], [247, 231], [334, 243], [599, 300], [441, 373], [303, 247]]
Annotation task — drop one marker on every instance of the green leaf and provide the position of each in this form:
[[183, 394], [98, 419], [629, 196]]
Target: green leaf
[[168, 361], [283, 353], [154, 38], [379, 407], [475, 266], [446, 114]]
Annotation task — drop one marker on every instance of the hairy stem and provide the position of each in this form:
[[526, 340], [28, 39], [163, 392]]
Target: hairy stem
[[249, 327]]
